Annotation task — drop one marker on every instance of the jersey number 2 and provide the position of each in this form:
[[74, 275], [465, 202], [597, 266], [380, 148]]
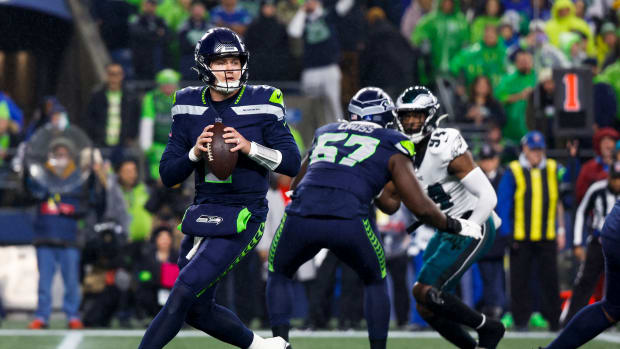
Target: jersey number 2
[[366, 146]]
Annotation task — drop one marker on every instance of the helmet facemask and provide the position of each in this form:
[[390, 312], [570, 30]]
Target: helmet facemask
[[418, 100], [207, 74]]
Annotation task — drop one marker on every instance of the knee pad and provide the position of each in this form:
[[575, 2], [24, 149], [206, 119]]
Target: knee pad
[[613, 310]]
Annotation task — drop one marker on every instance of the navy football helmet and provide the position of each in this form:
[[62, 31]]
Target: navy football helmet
[[419, 99], [371, 104], [218, 43]]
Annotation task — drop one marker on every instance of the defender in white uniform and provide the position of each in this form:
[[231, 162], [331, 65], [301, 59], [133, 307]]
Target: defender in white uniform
[[449, 175]]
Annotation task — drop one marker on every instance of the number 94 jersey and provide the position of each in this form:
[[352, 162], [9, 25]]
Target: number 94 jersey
[[431, 166], [348, 168]]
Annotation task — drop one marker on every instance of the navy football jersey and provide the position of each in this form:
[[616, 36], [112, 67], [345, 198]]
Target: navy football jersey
[[611, 227], [348, 168], [257, 112]]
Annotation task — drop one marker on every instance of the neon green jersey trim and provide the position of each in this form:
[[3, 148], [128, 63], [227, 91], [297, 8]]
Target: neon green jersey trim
[[409, 146]]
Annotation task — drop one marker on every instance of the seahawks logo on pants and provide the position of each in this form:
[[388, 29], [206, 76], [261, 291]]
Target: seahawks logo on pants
[[209, 219]]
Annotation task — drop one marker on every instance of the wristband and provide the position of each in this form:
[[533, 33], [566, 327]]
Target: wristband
[[192, 155], [265, 156], [453, 226]]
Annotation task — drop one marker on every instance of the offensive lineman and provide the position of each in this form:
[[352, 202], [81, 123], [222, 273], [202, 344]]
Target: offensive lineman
[[255, 119], [347, 168], [452, 180]]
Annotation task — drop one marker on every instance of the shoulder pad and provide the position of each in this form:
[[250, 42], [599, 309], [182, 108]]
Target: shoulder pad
[[266, 94], [400, 142], [189, 101], [261, 98], [448, 143]]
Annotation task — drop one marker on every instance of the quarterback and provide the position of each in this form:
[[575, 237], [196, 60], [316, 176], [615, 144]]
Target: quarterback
[[447, 172], [257, 129], [347, 169]]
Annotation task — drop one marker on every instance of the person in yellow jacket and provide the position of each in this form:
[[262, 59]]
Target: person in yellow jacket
[[563, 19]]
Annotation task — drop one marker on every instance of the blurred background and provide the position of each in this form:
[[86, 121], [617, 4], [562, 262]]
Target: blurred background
[[85, 95]]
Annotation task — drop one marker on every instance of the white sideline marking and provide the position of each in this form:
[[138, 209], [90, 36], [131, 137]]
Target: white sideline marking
[[71, 341], [72, 338]]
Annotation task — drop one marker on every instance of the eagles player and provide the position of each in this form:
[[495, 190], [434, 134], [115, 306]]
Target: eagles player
[[256, 127], [447, 172], [347, 168]]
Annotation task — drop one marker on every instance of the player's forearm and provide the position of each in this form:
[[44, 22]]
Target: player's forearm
[[301, 174], [291, 160], [477, 184], [174, 170]]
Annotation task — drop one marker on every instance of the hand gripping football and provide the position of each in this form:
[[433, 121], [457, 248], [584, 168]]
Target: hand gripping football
[[220, 160]]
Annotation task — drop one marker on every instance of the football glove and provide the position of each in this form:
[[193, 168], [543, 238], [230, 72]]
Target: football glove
[[470, 229]]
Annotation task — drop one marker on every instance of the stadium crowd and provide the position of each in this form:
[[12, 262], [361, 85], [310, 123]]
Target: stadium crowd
[[490, 62]]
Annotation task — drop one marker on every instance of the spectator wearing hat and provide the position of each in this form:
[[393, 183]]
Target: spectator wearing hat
[[155, 122], [533, 215], [563, 19], [266, 52], [606, 43], [594, 208], [56, 231], [112, 113], [149, 39], [513, 92], [596, 169], [229, 14], [491, 265]]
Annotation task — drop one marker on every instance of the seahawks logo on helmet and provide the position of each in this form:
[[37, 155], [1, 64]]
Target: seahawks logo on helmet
[[218, 43], [419, 99], [371, 104]]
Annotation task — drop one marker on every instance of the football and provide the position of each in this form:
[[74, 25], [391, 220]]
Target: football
[[220, 160]]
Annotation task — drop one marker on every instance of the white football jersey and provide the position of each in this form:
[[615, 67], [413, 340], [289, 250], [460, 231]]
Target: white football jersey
[[451, 196]]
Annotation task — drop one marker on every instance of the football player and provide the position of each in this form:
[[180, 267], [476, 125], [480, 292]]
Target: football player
[[597, 317], [346, 169], [445, 168], [227, 218]]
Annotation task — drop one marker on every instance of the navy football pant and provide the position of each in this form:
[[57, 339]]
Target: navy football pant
[[353, 241], [593, 319], [192, 297]]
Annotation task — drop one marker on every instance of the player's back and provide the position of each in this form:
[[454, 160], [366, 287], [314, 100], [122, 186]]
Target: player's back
[[348, 168]]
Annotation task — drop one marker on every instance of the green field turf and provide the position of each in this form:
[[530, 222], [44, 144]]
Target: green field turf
[[119, 339]]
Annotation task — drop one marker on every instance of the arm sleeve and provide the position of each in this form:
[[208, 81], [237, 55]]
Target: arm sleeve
[[175, 165], [277, 136], [505, 195], [477, 183]]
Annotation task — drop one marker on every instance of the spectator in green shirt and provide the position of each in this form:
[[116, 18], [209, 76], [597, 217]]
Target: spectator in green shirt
[[442, 33], [155, 122], [136, 195], [513, 91], [490, 16], [487, 57]]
